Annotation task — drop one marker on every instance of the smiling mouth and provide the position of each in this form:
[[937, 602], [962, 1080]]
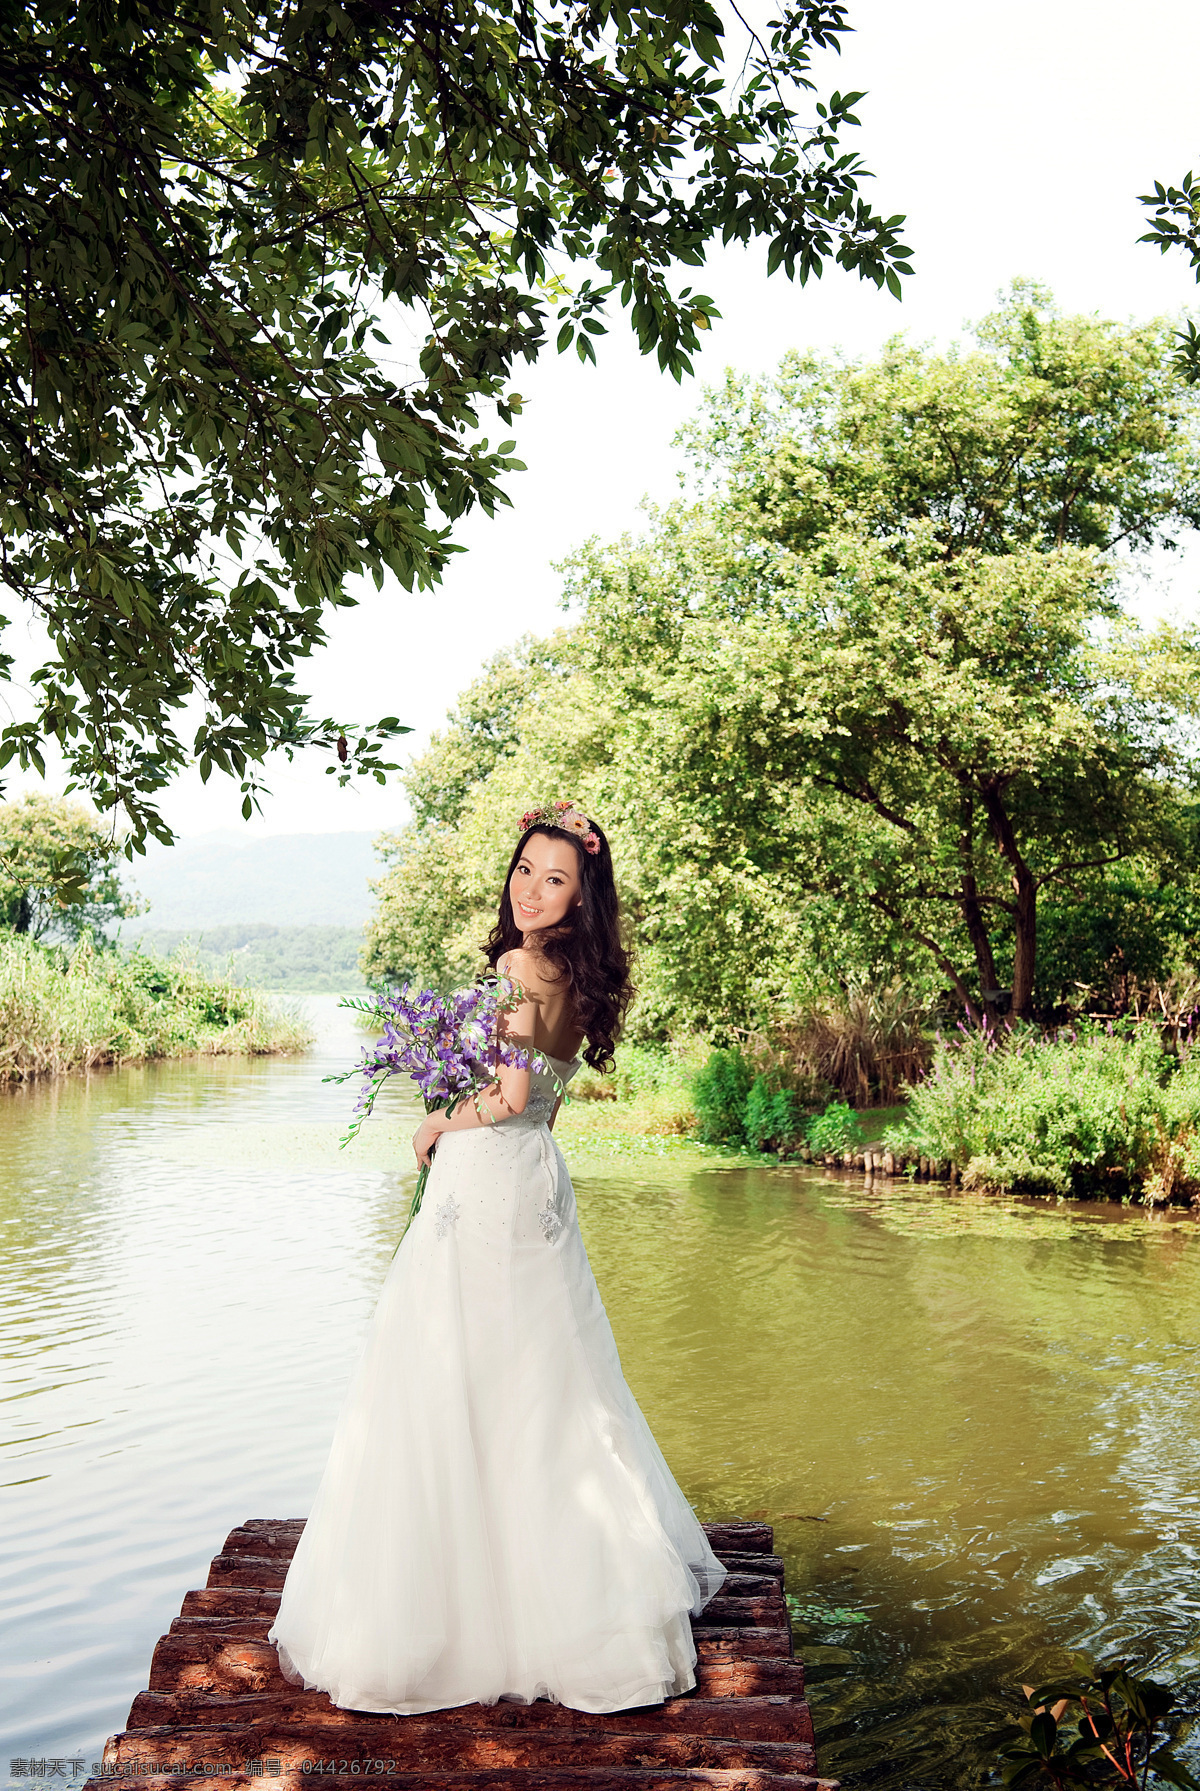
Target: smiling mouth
[[531, 912]]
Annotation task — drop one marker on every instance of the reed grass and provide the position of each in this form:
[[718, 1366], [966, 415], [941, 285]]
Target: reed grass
[[73, 1009], [868, 1046]]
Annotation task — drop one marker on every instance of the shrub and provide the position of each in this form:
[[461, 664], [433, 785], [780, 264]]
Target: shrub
[[739, 1105], [773, 1119], [836, 1129], [1092, 1110], [721, 1091]]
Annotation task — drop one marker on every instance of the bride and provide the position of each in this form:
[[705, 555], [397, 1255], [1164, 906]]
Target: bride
[[495, 1519]]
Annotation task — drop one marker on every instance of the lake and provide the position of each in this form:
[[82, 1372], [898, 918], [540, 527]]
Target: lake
[[974, 1422]]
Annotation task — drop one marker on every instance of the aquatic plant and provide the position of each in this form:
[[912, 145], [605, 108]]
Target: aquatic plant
[[1119, 1733]]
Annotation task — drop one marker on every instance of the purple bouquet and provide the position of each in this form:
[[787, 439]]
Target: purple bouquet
[[449, 1044]]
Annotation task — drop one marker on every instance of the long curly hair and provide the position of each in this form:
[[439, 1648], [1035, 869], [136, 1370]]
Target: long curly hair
[[586, 947]]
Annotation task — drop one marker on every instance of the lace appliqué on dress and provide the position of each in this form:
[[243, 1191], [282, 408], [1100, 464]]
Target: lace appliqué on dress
[[550, 1222], [446, 1215]]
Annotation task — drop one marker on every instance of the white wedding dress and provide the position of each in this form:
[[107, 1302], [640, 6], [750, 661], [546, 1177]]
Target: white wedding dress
[[495, 1519]]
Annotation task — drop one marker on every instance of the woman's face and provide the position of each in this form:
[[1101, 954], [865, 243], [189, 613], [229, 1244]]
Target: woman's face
[[545, 885]]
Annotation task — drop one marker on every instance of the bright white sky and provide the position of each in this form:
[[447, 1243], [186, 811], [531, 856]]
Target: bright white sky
[[1015, 140]]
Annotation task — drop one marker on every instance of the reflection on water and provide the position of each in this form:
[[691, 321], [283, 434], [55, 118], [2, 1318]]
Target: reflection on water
[[974, 1423]]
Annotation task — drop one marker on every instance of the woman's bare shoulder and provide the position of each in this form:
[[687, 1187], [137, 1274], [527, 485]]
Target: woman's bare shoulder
[[525, 967]]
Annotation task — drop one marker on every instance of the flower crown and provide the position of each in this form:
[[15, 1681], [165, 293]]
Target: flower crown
[[564, 814]]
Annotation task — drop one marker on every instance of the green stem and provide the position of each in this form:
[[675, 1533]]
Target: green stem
[[423, 1176]]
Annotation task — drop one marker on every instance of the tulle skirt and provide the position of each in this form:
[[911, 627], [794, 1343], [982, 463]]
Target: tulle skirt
[[495, 1519]]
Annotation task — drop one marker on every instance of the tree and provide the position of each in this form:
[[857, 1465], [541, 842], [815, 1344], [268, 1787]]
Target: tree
[[212, 214], [1053, 432], [930, 743], [871, 705], [57, 873], [887, 660], [1175, 215]]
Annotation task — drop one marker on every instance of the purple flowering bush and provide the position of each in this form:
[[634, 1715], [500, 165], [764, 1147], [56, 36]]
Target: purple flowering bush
[[450, 1045]]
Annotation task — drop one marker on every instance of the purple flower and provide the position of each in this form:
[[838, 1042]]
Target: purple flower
[[450, 1046]]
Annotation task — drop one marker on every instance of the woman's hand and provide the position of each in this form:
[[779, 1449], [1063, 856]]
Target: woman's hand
[[426, 1136]]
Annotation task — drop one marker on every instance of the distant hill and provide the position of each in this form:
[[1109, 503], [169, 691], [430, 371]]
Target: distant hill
[[312, 960], [231, 879]]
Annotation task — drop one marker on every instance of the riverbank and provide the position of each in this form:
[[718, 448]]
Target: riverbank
[[77, 1008], [1106, 1111]]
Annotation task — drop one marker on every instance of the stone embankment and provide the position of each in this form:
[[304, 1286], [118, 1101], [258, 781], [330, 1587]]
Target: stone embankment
[[875, 1159]]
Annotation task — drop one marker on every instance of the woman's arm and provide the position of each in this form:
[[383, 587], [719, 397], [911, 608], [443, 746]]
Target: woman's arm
[[467, 1117], [509, 1093]]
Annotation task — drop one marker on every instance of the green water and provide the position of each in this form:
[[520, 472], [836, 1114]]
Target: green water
[[974, 1423]]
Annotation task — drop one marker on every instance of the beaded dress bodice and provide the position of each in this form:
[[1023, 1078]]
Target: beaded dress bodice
[[544, 1089]]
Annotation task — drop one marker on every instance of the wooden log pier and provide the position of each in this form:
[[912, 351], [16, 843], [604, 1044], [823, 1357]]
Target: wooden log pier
[[217, 1705]]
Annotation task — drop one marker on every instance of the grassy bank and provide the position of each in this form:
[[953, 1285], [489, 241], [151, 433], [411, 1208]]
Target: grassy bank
[[73, 1009], [1093, 1111], [648, 1096]]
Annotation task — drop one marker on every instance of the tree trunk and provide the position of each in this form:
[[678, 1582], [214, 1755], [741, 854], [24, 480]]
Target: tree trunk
[[1024, 906], [24, 917], [972, 911], [1025, 956]]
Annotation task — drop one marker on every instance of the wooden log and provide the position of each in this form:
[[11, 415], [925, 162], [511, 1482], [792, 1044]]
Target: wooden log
[[753, 1584], [760, 1644], [234, 1604], [391, 1743], [213, 1660], [255, 1628], [230, 1601], [740, 1536], [745, 1598], [749, 1678], [568, 1778], [266, 1538], [278, 1541], [738, 1563], [215, 1663], [747, 1613], [247, 1570], [775, 1718]]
